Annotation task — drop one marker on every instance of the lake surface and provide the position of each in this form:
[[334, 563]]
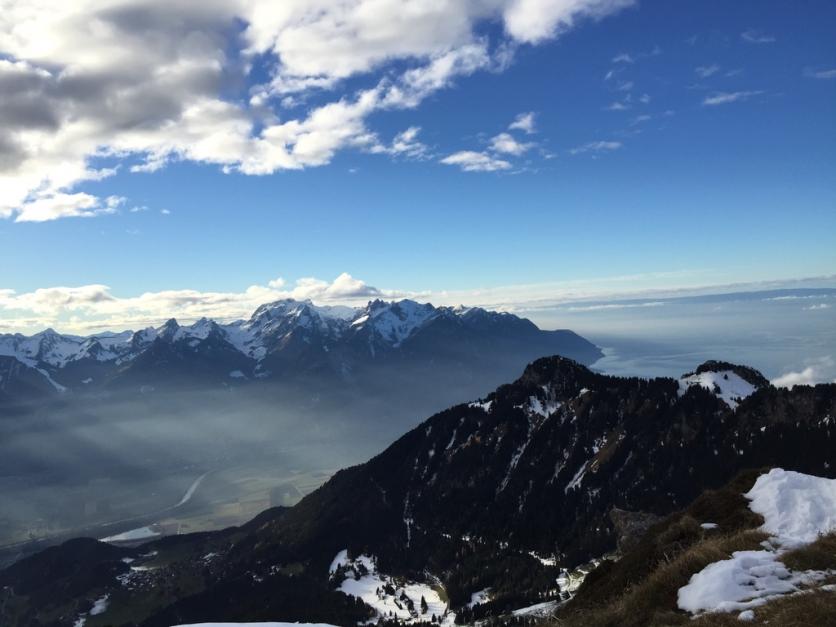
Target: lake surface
[[774, 332]]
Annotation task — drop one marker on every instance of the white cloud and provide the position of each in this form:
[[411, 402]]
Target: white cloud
[[405, 143], [820, 74], [596, 147], [532, 21], [818, 307], [89, 308], [94, 306], [727, 97], [704, 71], [147, 82], [753, 36], [623, 57], [811, 375], [473, 161], [617, 106], [613, 306], [524, 122], [505, 143], [43, 209]]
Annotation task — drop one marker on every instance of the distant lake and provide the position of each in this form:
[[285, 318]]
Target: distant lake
[[776, 332]]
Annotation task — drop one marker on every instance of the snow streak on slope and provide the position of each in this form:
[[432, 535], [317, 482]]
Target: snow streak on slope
[[797, 509]]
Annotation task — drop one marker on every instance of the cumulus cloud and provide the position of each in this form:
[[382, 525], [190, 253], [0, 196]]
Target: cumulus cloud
[[94, 306], [811, 375], [532, 21], [506, 143], [721, 98], [60, 205], [474, 161], [524, 122], [146, 83]]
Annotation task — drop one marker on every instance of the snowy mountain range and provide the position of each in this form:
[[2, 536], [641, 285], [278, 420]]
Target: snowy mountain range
[[284, 339]]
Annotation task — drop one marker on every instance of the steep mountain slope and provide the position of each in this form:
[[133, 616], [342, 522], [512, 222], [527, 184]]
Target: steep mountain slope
[[19, 381], [497, 494]]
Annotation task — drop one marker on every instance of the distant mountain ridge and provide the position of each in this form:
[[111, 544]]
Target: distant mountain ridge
[[286, 338]]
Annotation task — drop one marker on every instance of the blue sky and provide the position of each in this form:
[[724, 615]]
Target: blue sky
[[685, 144]]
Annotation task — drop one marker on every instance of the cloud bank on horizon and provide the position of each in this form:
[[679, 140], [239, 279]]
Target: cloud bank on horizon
[[95, 308], [93, 86]]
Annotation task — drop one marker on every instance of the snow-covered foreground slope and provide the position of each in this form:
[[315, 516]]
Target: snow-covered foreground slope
[[797, 509]]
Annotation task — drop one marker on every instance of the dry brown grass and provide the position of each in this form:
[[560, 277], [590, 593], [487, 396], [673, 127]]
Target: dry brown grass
[[808, 609], [641, 589], [653, 600], [820, 555]]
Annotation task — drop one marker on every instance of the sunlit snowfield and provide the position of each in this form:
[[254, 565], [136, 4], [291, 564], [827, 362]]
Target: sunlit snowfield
[[777, 334]]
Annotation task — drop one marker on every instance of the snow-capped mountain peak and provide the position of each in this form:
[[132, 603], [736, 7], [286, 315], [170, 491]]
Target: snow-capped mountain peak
[[396, 321], [283, 338]]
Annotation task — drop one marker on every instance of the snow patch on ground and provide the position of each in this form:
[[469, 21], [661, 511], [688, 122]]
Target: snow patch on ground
[[485, 406], [730, 387], [340, 560], [542, 408], [390, 597], [545, 561], [99, 606], [797, 509], [480, 597], [749, 579]]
